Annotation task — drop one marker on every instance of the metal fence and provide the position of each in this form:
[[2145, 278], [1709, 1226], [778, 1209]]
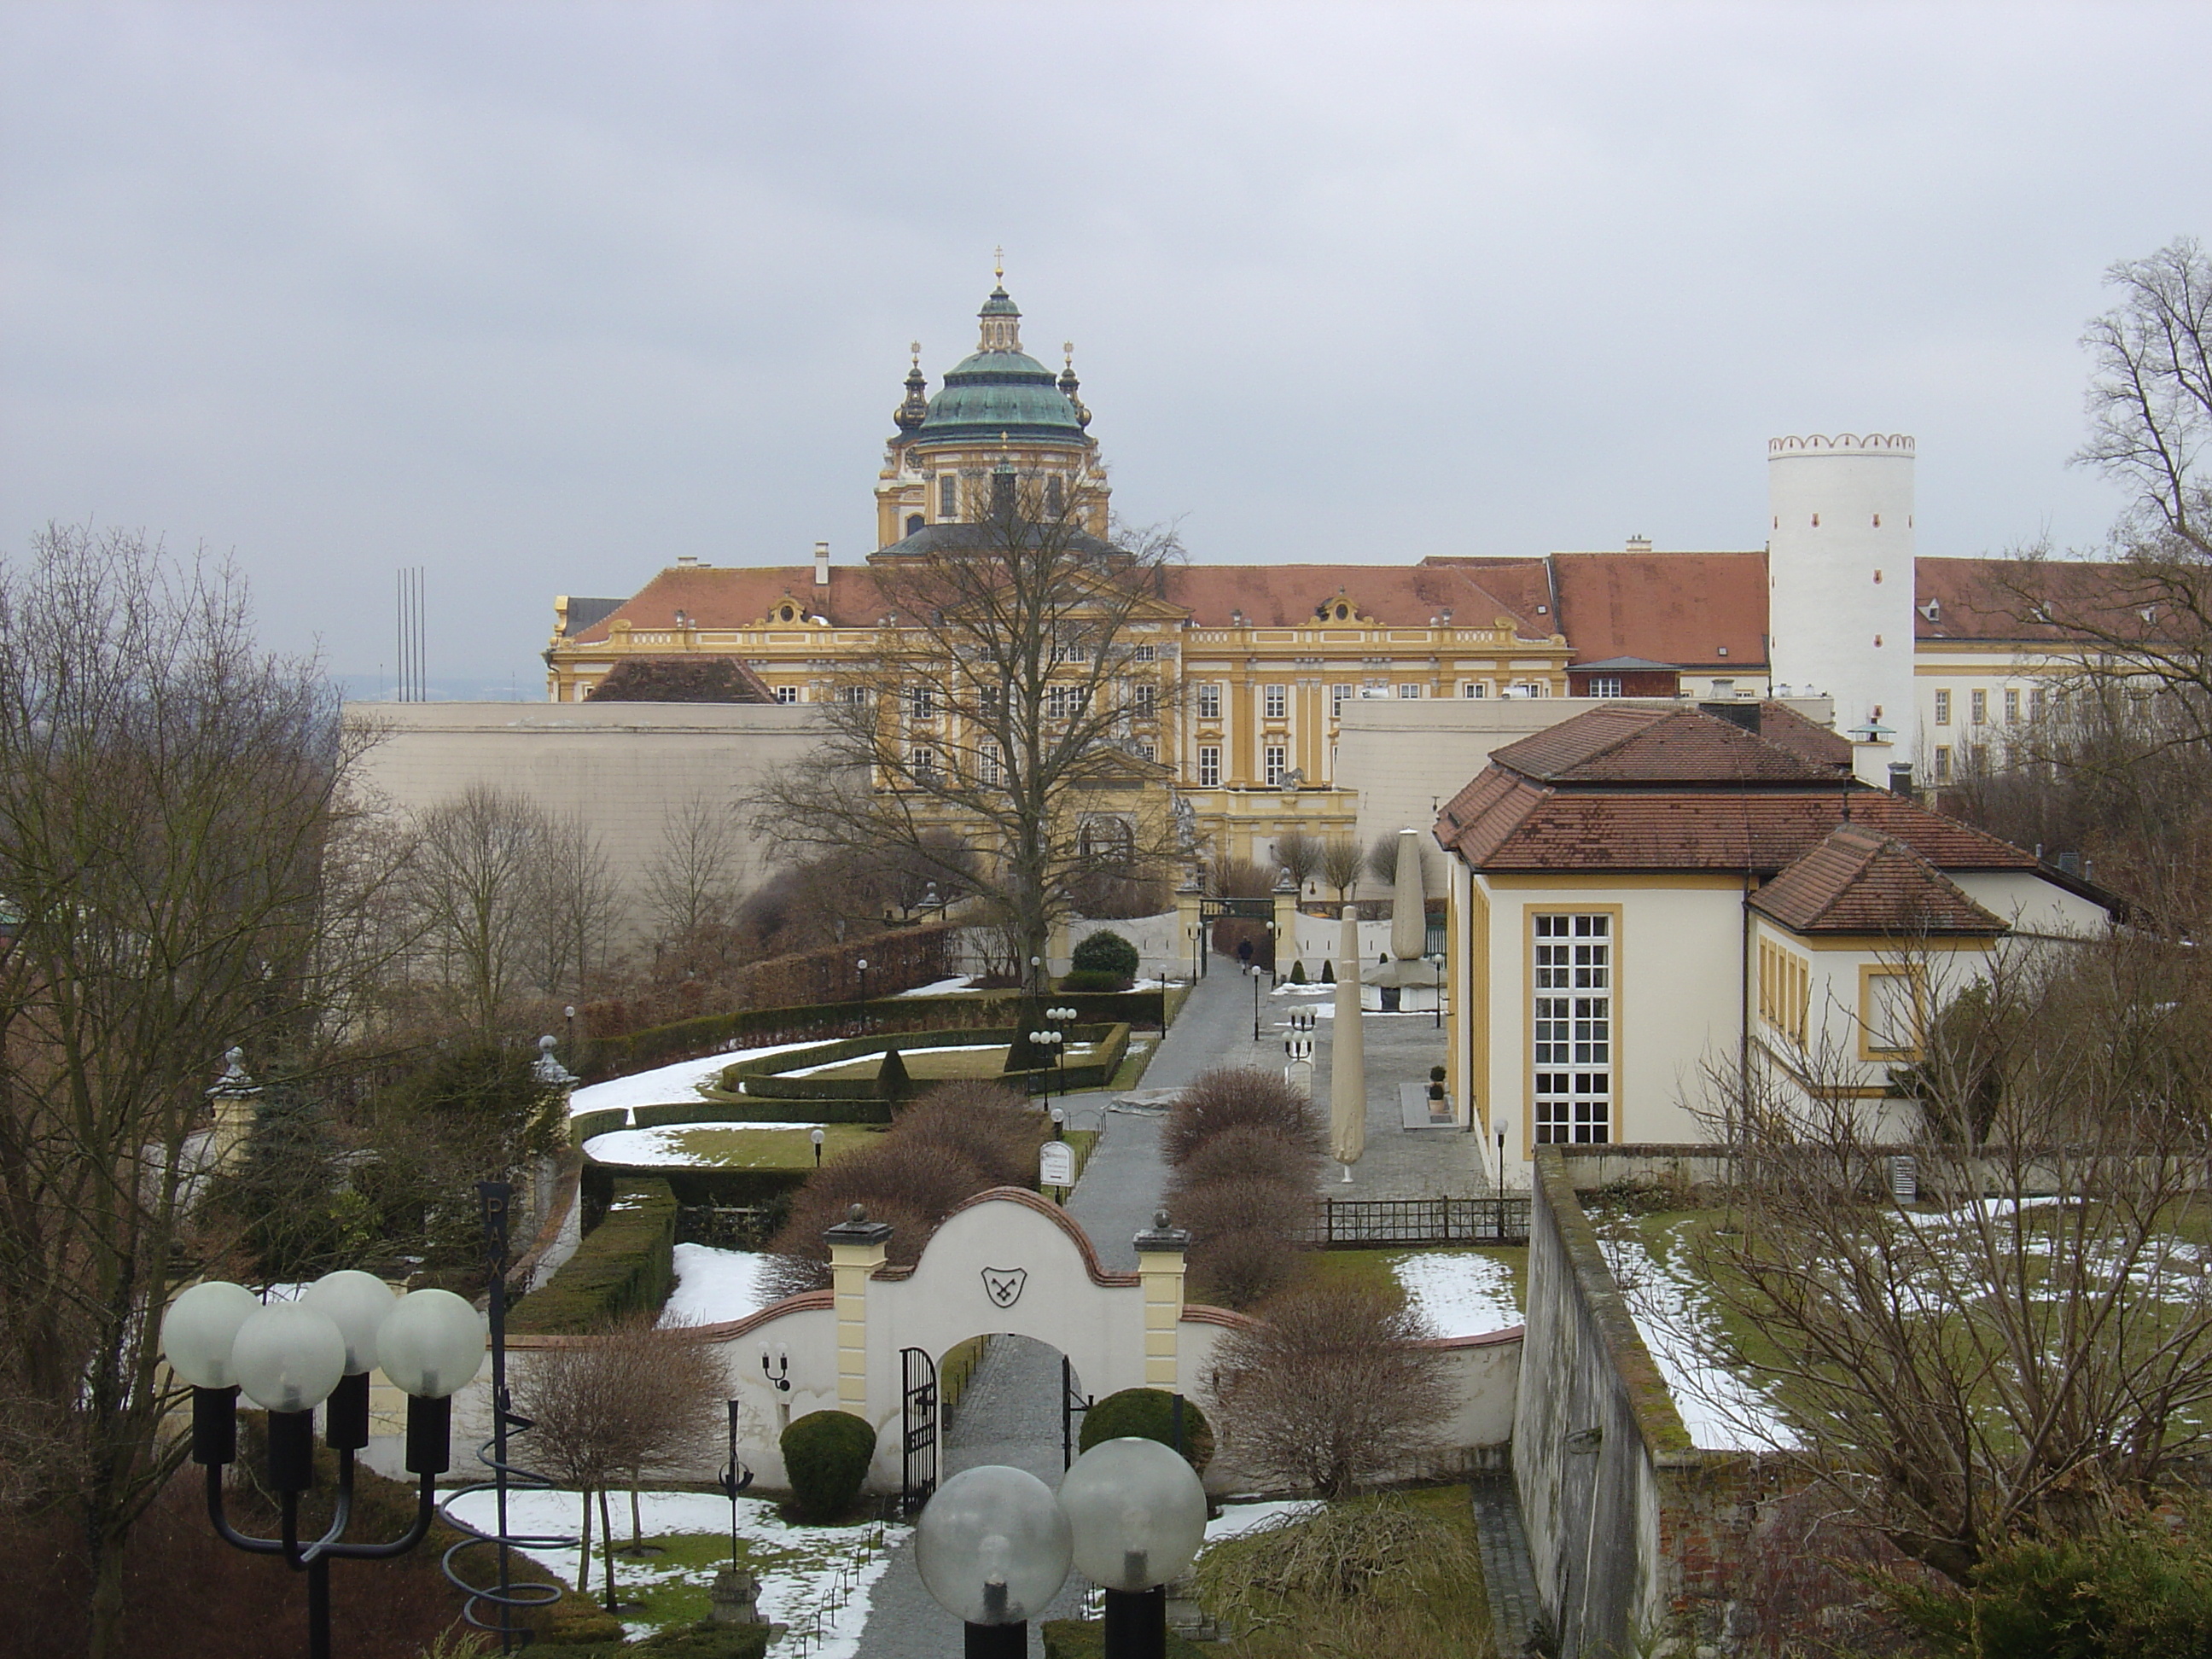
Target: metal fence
[[1379, 1221]]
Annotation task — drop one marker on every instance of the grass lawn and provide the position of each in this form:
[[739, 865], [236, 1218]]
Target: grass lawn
[[936, 1064], [1131, 1072], [1428, 1599], [733, 1147], [1375, 1267]]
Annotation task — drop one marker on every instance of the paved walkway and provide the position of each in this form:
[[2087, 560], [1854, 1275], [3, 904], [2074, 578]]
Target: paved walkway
[[1011, 1411], [1398, 1164]]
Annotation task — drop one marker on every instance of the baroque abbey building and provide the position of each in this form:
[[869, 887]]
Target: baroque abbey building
[[1257, 663]]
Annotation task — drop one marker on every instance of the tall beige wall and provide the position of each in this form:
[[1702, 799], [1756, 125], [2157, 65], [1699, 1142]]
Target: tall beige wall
[[620, 767]]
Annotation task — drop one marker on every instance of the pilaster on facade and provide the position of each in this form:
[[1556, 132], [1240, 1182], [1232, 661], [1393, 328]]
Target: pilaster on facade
[[857, 1249], [1162, 1251]]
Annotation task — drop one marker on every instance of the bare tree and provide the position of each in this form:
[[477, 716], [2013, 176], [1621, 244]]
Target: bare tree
[[2031, 1346], [691, 883], [1341, 862], [1011, 696], [576, 902], [1332, 1388], [475, 876], [1300, 856], [1382, 859], [605, 1409], [170, 793]]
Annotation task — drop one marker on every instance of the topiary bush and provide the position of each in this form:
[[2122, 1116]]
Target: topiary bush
[[1149, 1414], [1298, 973], [893, 1081], [1239, 1097], [826, 1454], [1106, 953]]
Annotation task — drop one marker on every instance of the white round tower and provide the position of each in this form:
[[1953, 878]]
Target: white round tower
[[1840, 585]]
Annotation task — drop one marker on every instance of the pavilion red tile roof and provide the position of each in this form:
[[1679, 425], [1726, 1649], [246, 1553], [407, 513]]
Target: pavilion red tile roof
[[1629, 788], [1397, 596], [1859, 881]]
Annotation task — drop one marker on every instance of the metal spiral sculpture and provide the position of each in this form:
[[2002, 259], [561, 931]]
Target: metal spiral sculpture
[[491, 1606]]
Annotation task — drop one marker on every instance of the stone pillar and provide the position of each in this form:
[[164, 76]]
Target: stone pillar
[[234, 1098], [548, 1134], [1187, 899], [856, 1250], [1161, 1249], [1286, 927]]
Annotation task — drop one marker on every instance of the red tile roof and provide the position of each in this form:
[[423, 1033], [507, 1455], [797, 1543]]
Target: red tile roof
[[2002, 599], [724, 597], [1857, 881], [1779, 723], [1398, 596], [1621, 744], [1762, 831], [1704, 610]]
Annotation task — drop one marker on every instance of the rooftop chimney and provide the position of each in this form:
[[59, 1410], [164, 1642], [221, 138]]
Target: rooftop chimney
[[822, 564], [1900, 778], [1639, 544]]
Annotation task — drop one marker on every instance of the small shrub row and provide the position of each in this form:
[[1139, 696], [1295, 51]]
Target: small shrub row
[[1246, 1148], [624, 1265]]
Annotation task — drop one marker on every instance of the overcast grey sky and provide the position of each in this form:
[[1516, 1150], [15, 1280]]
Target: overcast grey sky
[[541, 296]]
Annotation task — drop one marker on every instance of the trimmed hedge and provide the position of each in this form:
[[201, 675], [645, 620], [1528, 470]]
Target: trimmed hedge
[[626, 1264], [585, 1125], [1149, 1414], [755, 1110], [702, 1184], [1092, 979], [826, 1454], [758, 1027], [763, 1082]]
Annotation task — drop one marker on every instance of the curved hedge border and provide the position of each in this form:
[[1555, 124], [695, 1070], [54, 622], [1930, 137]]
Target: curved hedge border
[[754, 1028], [625, 1265], [761, 1082]]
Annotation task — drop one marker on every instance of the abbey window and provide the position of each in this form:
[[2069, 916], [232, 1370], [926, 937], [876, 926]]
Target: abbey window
[[1573, 1016]]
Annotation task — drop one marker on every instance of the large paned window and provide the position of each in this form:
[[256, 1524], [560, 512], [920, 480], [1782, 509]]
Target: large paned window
[[1278, 763], [1572, 1052], [1209, 703], [1278, 702], [1786, 985], [948, 496], [1209, 766]]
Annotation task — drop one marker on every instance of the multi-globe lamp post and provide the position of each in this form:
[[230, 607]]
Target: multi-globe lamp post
[[995, 1545], [288, 1357]]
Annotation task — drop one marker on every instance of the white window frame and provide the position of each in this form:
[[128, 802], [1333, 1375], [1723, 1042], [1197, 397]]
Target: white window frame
[[1278, 757], [1409, 691], [787, 694], [1575, 1019], [1606, 685], [1209, 700], [1942, 705], [1209, 766], [1275, 701]]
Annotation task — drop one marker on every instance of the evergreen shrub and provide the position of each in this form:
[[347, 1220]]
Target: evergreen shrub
[[827, 1454], [1093, 979], [1106, 953], [1149, 1414]]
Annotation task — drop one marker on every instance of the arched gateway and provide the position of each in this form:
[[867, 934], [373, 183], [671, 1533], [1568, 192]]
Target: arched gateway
[[1006, 1261]]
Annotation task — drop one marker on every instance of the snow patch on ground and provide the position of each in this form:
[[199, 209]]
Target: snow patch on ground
[[942, 988], [1460, 1293], [796, 1564], [713, 1287], [667, 1085], [1722, 1411], [1237, 1519], [642, 1147]]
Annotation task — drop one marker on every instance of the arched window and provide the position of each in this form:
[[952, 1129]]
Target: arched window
[[913, 523]]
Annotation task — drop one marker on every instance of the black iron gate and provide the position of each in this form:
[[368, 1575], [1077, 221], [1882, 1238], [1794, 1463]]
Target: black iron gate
[[918, 1450], [1073, 1404]]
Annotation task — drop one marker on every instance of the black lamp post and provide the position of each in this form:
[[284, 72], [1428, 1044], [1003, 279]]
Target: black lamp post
[[1065, 1019], [290, 1357], [862, 964]]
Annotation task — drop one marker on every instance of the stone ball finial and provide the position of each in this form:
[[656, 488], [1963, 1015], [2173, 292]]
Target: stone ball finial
[[856, 1213], [545, 1044], [1160, 1220], [235, 1057]]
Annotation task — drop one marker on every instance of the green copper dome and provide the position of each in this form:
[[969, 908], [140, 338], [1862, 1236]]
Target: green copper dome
[[1000, 389]]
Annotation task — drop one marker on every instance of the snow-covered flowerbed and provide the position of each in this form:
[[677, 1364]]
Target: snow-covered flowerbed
[[643, 1148], [667, 1085], [1459, 1292], [714, 1287], [796, 1565]]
